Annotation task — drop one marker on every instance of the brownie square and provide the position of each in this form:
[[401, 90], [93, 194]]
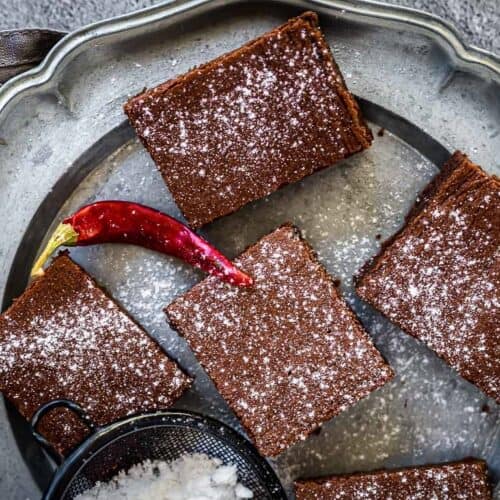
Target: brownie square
[[65, 338], [465, 480], [241, 126], [438, 278], [286, 354]]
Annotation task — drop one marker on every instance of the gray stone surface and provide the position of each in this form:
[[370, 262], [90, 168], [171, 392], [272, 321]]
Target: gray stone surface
[[478, 22]]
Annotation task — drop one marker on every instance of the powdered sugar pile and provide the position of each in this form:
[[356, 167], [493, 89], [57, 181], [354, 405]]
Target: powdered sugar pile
[[190, 477]]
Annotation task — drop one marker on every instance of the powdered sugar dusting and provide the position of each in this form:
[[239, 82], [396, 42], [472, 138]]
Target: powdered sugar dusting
[[458, 481], [241, 127], [286, 354], [427, 414], [440, 279], [65, 339]]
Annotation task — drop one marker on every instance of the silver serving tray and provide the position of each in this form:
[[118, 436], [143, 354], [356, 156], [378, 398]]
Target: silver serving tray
[[64, 142]]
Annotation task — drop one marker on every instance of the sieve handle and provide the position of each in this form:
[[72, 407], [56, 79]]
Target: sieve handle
[[51, 405]]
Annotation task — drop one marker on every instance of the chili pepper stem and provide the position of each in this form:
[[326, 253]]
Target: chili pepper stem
[[63, 235]]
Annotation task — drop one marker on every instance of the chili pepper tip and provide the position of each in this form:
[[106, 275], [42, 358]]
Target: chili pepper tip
[[244, 279], [63, 235]]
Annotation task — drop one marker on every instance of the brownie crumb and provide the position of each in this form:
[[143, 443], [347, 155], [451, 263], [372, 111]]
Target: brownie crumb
[[317, 431], [381, 132]]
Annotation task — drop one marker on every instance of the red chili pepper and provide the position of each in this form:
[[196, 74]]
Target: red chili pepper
[[125, 222]]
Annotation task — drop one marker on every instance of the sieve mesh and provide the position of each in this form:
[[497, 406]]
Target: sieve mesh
[[165, 437]]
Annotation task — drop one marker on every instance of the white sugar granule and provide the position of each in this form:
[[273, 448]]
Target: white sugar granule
[[190, 477]]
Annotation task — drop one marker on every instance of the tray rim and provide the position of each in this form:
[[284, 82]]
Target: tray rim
[[465, 55]]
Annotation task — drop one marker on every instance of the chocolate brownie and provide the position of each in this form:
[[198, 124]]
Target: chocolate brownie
[[65, 338], [286, 354], [466, 480], [438, 278], [243, 125]]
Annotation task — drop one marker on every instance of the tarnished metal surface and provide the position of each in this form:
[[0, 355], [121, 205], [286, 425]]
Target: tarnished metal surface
[[64, 143]]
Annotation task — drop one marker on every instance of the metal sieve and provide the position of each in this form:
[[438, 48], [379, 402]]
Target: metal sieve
[[163, 435]]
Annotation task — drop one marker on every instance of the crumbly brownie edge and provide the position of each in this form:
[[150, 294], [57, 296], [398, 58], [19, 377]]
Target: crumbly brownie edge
[[354, 318], [360, 128]]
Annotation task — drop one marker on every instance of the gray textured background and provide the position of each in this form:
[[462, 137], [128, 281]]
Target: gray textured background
[[478, 21]]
